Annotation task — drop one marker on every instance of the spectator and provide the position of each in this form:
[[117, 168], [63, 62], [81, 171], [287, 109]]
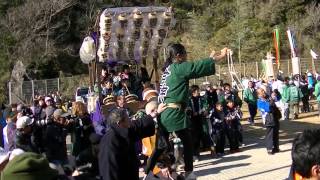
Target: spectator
[[250, 97], [107, 88], [232, 117], [305, 93], [317, 94], [55, 138], [198, 108], [50, 107], [270, 115], [9, 131], [218, 129], [82, 128], [211, 96], [306, 155], [117, 156], [295, 96], [23, 134], [285, 100]]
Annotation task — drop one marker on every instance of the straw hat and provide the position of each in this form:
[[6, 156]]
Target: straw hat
[[133, 104], [149, 94], [109, 100]]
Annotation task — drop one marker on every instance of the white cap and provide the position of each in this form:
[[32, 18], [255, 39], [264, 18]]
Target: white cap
[[47, 99], [23, 122]]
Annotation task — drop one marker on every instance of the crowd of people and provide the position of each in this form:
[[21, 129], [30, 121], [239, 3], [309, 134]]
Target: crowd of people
[[163, 135]]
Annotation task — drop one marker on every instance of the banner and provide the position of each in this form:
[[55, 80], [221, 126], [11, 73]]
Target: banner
[[276, 42], [292, 41], [313, 54]]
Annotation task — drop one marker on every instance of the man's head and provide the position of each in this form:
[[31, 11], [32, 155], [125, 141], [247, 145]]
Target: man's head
[[49, 101], [306, 154], [14, 107], [230, 104], [119, 116], [227, 88], [24, 124], [121, 101], [250, 84], [60, 117], [176, 52], [286, 80], [195, 90], [109, 84], [219, 107], [151, 107], [126, 69]]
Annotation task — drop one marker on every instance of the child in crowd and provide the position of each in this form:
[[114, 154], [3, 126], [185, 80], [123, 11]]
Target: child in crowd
[[233, 116], [218, 129], [198, 113]]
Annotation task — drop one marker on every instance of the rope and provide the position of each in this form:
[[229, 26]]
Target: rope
[[233, 74]]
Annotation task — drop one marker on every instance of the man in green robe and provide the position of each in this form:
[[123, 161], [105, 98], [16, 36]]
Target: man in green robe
[[174, 91]]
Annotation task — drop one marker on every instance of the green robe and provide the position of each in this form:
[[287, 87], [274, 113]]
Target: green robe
[[317, 91], [174, 88], [295, 94], [249, 96], [285, 94]]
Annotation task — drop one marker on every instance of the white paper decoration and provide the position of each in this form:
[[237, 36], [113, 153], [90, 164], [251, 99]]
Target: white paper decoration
[[88, 50]]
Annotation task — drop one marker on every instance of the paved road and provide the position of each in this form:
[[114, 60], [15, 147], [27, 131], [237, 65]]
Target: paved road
[[254, 162]]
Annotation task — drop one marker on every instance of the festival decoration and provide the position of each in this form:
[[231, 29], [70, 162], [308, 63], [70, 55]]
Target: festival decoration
[[268, 64], [88, 50], [131, 34], [276, 43], [295, 60]]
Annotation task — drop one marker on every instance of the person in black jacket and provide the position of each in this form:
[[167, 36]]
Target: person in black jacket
[[55, 138], [117, 155], [23, 134]]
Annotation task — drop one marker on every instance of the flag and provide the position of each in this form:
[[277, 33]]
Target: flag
[[313, 54], [293, 44], [276, 43]]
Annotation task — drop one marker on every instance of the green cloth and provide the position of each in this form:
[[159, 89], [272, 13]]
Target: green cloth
[[28, 166], [174, 88], [295, 94], [285, 94], [249, 96], [317, 91]]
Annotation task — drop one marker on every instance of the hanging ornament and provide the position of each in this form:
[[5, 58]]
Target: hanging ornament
[[106, 22], [137, 19], [144, 47], [162, 33], [120, 33], [136, 34], [153, 19], [167, 17], [130, 43], [123, 20]]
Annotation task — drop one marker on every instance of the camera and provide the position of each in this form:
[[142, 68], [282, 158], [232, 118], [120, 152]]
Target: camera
[[44, 122]]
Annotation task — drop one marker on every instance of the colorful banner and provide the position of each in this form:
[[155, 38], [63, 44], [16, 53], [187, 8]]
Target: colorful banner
[[276, 42], [293, 44]]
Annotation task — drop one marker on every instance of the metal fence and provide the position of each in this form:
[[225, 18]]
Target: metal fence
[[25, 91]]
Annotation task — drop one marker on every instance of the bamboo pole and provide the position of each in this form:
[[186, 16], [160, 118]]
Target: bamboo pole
[[257, 69]]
